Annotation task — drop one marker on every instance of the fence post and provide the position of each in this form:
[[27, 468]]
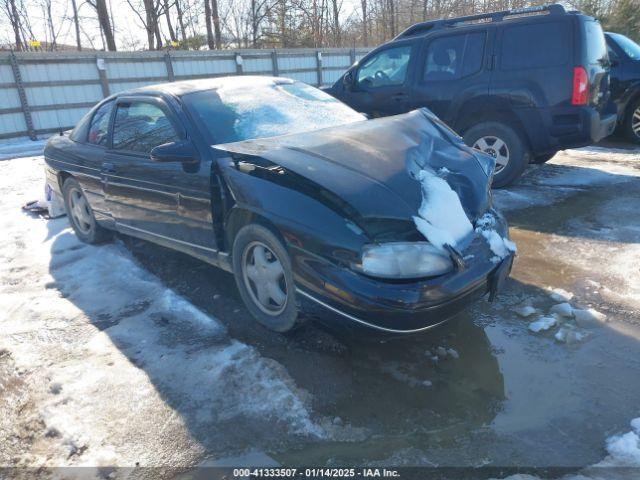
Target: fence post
[[238, 64], [102, 73], [274, 63], [22, 95], [352, 55], [319, 67], [167, 61]]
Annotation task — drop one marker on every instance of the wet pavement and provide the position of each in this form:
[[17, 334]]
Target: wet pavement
[[135, 375], [483, 389]]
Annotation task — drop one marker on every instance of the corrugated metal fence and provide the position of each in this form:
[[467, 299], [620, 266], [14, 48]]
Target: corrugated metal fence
[[42, 93]]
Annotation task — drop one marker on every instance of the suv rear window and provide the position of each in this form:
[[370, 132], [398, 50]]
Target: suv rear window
[[596, 44], [536, 45]]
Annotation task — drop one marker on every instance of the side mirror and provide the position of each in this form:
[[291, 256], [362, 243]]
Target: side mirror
[[182, 151], [347, 81]]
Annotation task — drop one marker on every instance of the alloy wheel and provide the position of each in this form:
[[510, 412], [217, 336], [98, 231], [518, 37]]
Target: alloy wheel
[[264, 278], [495, 147], [635, 122], [80, 213]]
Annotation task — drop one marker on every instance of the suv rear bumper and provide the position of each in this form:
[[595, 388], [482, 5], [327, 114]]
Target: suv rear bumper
[[568, 127]]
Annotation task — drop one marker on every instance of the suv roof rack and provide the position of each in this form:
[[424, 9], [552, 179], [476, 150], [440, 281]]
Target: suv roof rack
[[422, 27]]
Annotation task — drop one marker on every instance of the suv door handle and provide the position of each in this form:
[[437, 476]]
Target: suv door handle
[[398, 97], [108, 167]]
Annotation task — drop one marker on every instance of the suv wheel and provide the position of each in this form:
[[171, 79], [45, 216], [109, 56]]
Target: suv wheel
[[505, 145], [632, 123], [81, 215], [263, 273]]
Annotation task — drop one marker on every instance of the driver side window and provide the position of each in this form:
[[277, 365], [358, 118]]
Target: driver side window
[[386, 68]]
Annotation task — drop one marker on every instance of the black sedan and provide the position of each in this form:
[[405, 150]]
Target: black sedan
[[385, 223]]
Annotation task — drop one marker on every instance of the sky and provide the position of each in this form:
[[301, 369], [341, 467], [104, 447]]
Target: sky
[[130, 33]]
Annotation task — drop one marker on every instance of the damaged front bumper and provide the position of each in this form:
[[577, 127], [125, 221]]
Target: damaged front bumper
[[399, 307]]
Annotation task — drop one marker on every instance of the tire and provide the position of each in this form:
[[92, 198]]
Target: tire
[[632, 122], [503, 143], [80, 214], [262, 287], [543, 158]]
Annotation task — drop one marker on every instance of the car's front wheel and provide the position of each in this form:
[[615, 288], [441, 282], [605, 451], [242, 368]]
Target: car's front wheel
[[263, 273], [505, 145], [632, 122], [81, 215]]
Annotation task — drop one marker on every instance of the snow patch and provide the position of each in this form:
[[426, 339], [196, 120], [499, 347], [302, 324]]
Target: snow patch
[[560, 295], [562, 310], [525, 311], [499, 245], [588, 317], [441, 218], [543, 323]]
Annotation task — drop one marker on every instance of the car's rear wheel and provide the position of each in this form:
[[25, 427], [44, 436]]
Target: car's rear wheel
[[263, 273], [505, 145], [80, 214], [632, 122]]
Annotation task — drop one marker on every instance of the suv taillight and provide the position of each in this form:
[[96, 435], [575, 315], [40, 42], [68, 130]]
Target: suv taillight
[[580, 86]]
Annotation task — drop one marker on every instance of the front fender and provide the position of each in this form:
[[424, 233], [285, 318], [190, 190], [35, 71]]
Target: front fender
[[306, 216]]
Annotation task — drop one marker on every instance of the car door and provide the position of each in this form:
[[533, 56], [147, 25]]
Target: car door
[[382, 83], [164, 202], [88, 155], [453, 68]]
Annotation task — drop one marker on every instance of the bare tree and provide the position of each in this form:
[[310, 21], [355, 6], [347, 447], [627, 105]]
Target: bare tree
[[104, 19], [76, 23], [215, 15]]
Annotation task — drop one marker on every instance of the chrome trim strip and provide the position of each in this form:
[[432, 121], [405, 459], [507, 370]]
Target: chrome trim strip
[[355, 319], [171, 239]]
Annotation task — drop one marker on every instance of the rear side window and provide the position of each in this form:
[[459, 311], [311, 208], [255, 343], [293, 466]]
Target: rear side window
[[140, 127], [453, 57], [536, 45], [595, 43], [99, 127]]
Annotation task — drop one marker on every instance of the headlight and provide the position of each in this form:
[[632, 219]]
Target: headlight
[[404, 260]]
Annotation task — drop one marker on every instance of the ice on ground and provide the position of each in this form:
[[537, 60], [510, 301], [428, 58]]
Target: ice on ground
[[96, 333], [569, 335], [441, 218], [542, 323], [562, 310], [624, 450], [560, 295], [525, 311], [22, 147], [587, 317]]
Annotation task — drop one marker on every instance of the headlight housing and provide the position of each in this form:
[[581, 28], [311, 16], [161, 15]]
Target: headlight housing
[[404, 260]]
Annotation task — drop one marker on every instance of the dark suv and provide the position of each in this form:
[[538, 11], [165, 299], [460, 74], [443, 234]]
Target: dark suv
[[624, 55], [519, 84]]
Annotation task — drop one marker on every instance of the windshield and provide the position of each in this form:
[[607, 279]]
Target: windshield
[[258, 108], [631, 48]]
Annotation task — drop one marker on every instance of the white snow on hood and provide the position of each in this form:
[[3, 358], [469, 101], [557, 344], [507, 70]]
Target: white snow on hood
[[441, 218]]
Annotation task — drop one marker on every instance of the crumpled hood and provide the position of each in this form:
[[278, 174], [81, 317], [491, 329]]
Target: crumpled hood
[[374, 165]]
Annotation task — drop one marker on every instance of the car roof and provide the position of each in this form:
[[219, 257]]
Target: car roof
[[520, 15], [184, 87]]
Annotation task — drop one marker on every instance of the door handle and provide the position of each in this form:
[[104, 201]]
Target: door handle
[[398, 97], [108, 167]]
